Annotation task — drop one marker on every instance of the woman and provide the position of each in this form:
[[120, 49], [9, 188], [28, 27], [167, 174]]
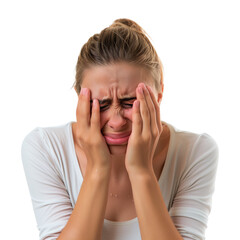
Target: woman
[[119, 172]]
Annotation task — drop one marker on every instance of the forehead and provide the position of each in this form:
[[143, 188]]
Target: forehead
[[119, 78]]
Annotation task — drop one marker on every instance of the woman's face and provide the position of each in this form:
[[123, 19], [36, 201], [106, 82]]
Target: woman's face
[[115, 83]]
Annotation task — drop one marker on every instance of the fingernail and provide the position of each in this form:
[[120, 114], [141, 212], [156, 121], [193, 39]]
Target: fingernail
[[140, 90], [84, 91], [137, 103], [94, 102]]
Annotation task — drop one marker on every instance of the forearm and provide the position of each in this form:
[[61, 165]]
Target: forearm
[[154, 220], [87, 218]]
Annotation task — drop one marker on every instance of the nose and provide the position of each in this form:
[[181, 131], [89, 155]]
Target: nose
[[116, 121]]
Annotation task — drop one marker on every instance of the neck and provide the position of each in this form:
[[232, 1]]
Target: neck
[[118, 168]]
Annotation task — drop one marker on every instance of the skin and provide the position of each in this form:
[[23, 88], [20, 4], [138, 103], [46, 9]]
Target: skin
[[136, 158], [115, 81]]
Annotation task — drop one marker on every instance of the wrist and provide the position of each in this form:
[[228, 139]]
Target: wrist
[[141, 173], [98, 172]]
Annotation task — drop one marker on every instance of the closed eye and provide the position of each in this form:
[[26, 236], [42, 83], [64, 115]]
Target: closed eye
[[125, 105], [104, 107], [128, 105]]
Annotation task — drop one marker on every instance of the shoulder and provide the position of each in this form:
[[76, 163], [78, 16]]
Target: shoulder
[[46, 144], [192, 150], [47, 136], [192, 141], [35, 139]]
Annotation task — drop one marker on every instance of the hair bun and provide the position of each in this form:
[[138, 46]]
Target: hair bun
[[125, 22]]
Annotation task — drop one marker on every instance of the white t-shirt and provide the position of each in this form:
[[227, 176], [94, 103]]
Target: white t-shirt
[[54, 180]]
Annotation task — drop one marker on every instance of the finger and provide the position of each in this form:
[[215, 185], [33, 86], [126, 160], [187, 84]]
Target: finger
[[136, 119], [95, 118], [152, 110], [156, 104], [144, 110], [83, 108]]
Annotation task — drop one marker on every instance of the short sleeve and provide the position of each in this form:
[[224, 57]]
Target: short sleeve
[[192, 203], [51, 203]]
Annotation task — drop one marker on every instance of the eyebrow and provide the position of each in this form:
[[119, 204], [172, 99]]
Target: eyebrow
[[108, 100]]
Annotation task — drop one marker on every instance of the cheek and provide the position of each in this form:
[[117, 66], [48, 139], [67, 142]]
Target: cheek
[[128, 113], [103, 119]]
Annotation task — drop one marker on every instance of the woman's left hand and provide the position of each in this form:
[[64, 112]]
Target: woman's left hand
[[146, 131]]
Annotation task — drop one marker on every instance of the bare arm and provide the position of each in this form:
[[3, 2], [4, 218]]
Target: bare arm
[[87, 217], [154, 219]]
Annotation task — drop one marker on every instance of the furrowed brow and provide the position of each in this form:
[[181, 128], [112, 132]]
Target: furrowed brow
[[127, 99], [108, 100]]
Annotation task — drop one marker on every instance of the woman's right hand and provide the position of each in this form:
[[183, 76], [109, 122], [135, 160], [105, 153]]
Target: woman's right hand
[[88, 133]]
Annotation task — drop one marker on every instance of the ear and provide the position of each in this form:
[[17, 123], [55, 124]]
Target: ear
[[160, 94]]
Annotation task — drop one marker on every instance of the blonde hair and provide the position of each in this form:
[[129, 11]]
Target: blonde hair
[[123, 41]]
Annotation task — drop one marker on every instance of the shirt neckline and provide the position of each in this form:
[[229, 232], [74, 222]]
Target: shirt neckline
[[161, 178]]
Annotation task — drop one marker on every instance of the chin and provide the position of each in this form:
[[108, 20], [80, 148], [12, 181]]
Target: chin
[[117, 149]]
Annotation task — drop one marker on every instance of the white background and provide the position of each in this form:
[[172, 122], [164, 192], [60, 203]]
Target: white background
[[199, 45]]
